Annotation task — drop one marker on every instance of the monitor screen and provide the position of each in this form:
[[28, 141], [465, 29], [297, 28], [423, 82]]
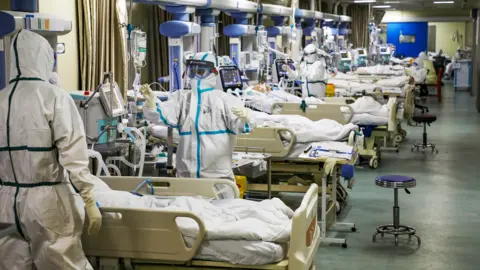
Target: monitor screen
[[231, 78], [362, 52], [282, 67], [344, 55], [383, 50]]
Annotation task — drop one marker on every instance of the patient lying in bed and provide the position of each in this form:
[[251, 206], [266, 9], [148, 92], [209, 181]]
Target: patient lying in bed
[[238, 231], [368, 111], [263, 101], [305, 130]]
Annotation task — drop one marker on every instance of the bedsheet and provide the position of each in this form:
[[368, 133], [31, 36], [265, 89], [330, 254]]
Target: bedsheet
[[238, 231], [306, 130], [263, 101], [368, 111], [229, 219], [381, 70], [240, 251]]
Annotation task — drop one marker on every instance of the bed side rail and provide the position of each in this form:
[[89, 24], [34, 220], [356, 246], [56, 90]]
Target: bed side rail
[[266, 140], [392, 115], [142, 234], [315, 112], [339, 100], [305, 237], [170, 186]]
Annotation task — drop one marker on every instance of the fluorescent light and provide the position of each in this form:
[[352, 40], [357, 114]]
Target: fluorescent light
[[364, 1], [328, 20], [444, 2], [386, 6], [392, 2]]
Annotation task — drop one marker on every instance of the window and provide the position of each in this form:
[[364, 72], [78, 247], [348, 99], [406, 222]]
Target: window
[[406, 38]]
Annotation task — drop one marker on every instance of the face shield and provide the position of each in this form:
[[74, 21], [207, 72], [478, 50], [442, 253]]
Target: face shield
[[310, 57], [199, 69]]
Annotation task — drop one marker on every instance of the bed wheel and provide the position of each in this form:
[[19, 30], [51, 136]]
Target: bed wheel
[[397, 139], [403, 133], [354, 229], [344, 245], [373, 163]]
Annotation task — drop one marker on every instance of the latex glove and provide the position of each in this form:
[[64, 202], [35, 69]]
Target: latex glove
[[54, 79], [242, 113], [149, 96], [94, 217], [329, 166]]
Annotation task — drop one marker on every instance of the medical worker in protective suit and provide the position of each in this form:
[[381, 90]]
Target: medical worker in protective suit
[[312, 71], [207, 120], [45, 184]]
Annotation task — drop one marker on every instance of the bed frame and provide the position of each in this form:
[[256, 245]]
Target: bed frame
[[315, 112], [150, 239], [268, 141]]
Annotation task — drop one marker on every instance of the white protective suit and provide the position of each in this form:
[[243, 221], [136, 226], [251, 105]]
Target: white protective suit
[[206, 124], [43, 160], [420, 59], [312, 71]]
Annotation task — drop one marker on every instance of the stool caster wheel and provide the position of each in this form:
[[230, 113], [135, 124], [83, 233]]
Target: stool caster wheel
[[344, 245], [354, 229]]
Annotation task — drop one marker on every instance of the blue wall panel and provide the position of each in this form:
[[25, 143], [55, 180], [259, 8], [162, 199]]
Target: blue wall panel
[[419, 29]]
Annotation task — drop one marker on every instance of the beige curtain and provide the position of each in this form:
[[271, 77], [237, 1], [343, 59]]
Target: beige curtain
[[102, 42], [157, 48], [223, 41], [359, 25]]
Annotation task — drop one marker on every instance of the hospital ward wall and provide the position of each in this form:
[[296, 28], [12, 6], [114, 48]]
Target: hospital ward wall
[[418, 29], [68, 63], [4, 5], [444, 35]]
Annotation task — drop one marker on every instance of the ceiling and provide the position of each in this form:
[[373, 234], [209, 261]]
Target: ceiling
[[424, 4]]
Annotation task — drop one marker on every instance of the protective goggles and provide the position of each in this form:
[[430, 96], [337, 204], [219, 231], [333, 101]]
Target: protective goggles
[[199, 69]]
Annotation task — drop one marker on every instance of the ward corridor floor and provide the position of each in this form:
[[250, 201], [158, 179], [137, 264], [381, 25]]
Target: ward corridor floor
[[444, 207]]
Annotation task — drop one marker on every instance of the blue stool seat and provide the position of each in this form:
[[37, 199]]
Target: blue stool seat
[[395, 181]]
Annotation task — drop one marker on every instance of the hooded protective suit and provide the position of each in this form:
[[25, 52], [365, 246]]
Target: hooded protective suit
[[312, 71], [43, 160], [206, 124], [419, 61]]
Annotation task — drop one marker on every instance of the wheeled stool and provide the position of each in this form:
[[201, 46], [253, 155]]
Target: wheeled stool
[[425, 119], [396, 182]]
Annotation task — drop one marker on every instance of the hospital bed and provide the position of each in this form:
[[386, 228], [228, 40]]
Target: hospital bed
[[150, 238], [285, 160], [315, 112]]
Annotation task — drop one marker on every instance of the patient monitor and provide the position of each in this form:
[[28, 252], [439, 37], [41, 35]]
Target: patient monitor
[[280, 69], [360, 57], [345, 61], [229, 78], [384, 54]]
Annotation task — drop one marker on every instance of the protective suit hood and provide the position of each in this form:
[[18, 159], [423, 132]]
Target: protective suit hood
[[210, 81], [37, 56], [310, 53]]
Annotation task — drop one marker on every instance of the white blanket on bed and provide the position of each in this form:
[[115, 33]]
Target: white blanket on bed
[[306, 130], [368, 111], [229, 219], [383, 70], [263, 101]]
